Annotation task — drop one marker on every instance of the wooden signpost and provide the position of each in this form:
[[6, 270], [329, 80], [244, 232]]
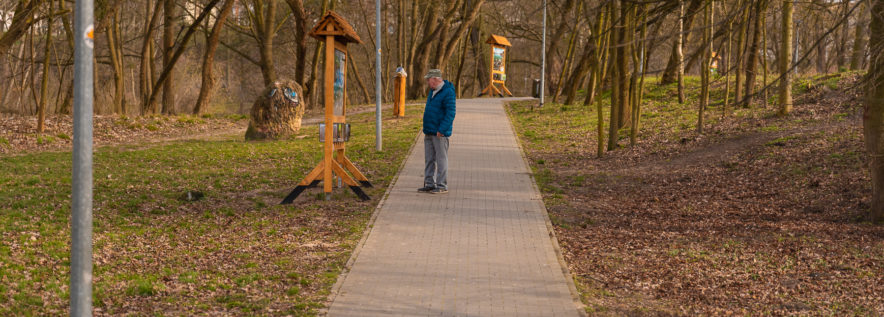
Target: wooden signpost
[[498, 66], [336, 33], [399, 93]]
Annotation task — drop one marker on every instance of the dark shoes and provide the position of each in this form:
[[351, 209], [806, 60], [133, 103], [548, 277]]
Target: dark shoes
[[432, 190]]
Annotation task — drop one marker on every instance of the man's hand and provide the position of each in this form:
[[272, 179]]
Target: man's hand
[[439, 134]]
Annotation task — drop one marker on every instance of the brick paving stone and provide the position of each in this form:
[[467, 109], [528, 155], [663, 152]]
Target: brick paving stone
[[483, 249]]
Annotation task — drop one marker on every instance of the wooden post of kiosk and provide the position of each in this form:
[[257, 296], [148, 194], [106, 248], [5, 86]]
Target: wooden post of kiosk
[[336, 33], [399, 93], [498, 66]]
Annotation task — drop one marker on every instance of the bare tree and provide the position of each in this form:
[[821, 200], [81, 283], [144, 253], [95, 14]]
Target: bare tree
[[22, 20], [147, 68], [170, 27], [679, 54], [707, 61], [786, 60], [168, 68], [115, 50], [301, 28], [208, 78], [44, 84], [873, 115], [857, 59]]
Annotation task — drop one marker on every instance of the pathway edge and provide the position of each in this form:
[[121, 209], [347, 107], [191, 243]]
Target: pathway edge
[[336, 288]]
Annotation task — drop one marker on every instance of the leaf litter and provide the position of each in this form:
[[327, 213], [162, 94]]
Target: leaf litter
[[761, 214]]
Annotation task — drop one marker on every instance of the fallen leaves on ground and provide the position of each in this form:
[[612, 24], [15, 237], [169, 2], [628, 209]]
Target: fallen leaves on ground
[[760, 214]]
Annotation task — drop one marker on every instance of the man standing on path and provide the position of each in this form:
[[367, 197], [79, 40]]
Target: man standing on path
[[438, 119]]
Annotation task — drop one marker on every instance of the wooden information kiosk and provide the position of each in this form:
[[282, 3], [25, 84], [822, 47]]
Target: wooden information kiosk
[[498, 66], [336, 33]]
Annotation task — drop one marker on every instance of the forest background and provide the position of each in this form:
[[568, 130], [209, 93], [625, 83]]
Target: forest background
[[230, 50]]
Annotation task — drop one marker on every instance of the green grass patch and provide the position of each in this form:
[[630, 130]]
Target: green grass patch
[[228, 251], [45, 139], [143, 286]]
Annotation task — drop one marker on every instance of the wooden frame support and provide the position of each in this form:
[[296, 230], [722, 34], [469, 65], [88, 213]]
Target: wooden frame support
[[340, 167]]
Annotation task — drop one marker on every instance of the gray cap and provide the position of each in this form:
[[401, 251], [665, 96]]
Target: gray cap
[[434, 73]]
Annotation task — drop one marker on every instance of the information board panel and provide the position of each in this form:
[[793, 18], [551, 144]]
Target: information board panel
[[340, 76]]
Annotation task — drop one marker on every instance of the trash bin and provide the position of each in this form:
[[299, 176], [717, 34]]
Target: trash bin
[[535, 88]]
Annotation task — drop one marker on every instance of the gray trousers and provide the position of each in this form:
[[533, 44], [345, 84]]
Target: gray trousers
[[436, 158]]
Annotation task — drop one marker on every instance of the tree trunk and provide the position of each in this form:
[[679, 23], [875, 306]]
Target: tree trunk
[[580, 71], [600, 64], [115, 50], [460, 66], [32, 73], [400, 33], [44, 84], [170, 26], [208, 78], [821, 34], [765, 68], [553, 61], [740, 50], [858, 57], [22, 20], [670, 74], [448, 45], [873, 116], [146, 73], [786, 60], [633, 82], [845, 34], [365, 95], [600, 116], [679, 54], [600, 58], [422, 55], [266, 31], [727, 70], [18, 58], [312, 88], [301, 29], [66, 104], [752, 57], [482, 76], [569, 56], [169, 67], [704, 67], [616, 76], [413, 40]]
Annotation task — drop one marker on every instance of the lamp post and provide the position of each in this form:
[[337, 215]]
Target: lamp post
[[81, 181], [377, 90], [543, 58]]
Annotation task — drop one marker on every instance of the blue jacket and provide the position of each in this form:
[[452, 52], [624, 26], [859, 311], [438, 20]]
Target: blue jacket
[[439, 112]]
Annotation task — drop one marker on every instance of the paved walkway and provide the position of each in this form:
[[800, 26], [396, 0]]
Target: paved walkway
[[483, 249]]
